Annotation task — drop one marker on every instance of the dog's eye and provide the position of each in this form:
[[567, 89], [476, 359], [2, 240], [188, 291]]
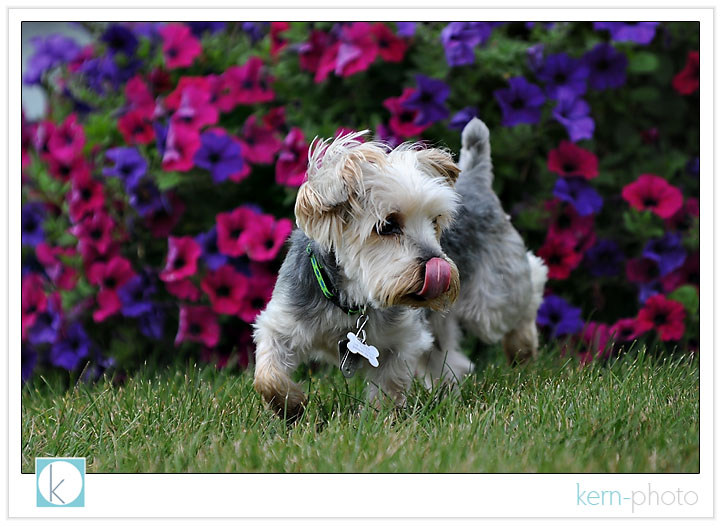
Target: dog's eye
[[389, 227]]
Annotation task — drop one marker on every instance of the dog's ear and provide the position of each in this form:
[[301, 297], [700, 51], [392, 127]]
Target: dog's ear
[[334, 184], [437, 162]]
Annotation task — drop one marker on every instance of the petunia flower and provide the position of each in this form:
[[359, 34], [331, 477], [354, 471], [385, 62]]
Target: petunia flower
[[180, 47], [67, 140], [183, 289], [578, 192], [686, 81], [182, 259], [520, 102], [218, 154], [665, 316], [47, 325], [406, 29], [428, 100], [139, 96], [260, 144], [255, 30], [31, 222], [96, 228], [607, 67], [683, 218], [688, 273], [33, 300], [151, 325], [28, 360], [69, 351], [573, 113], [225, 287], [642, 270], [78, 168], [667, 252], [120, 39], [49, 51], [629, 329], [135, 296], [223, 92], [85, 197], [460, 38], [254, 84], [110, 277], [145, 196], [311, 51], [403, 120], [572, 160], [211, 255], [387, 136], [567, 223], [596, 337], [639, 32], [561, 318], [198, 28], [62, 275], [230, 226], [181, 145], [292, 159], [560, 256], [563, 74], [198, 324], [651, 192], [278, 43], [128, 165], [604, 259], [265, 236], [195, 109], [354, 52], [462, 117], [260, 289], [136, 127], [391, 48]]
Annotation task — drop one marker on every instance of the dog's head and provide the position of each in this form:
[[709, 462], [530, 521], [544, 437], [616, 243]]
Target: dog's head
[[383, 211]]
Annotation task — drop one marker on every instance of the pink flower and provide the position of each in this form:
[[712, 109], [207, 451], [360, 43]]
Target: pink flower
[[260, 144], [136, 126], [567, 223], [97, 229], [231, 226], [596, 336], [43, 131], [628, 329], [225, 287], [173, 100], [198, 324], [224, 92], [180, 47], [183, 289], [182, 260], [353, 53], [683, 219], [34, 301], [85, 197], [181, 146], [651, 192], [391, 48], [686, 81], [260, 289], [139, 96], [195, 109], [110, 277], [67, 140], [292, 159], [265, 237], [78, 168], [402, 119], [571, 160], [311, 51], [275, 118], [254, 85], [664, 315], [278, 43], [93, 257], [560, 256]]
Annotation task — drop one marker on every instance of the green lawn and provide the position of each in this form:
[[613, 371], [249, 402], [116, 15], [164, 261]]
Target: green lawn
[[638, 414]]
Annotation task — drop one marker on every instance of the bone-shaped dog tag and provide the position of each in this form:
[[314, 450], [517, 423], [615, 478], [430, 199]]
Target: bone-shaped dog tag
[[356, 346]]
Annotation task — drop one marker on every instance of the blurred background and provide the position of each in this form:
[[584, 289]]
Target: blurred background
[[161, 163]]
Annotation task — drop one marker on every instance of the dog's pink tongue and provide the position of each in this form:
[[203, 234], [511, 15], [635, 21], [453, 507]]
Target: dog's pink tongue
[[437, 278]]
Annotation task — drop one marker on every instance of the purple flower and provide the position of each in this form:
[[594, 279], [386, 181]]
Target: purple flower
[[130, 166], [69, 351], [573, 113], [151, 324], [161, 137], [136, 296], [579, 193], [28, 359], [50, 51], [667, 251], [562, 72], [198, 28], [406, 29], [120, 39], [639, 32], [460, 38], [145, 197], [211, 255], [462, 117], [384, 134], [604, 259], [220, 155], [428, 100], [101, 73], [559, 316], [607, 67], [255, 30], [46, 326], [31, 220], [520, 102]]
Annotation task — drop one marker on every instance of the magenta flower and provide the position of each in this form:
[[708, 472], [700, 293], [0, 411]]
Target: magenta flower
[[63, 276], [183, 289], [391, 48], [231, 226], [182, 260], [85, 197], [628, 329], [110, 277], [96, 229], [311, 51], [403, 119], [139, 96], [254, 84], [225, 287], [260, 144], [354, 52], [198, 324], [265, 236], [78, 168], [651, 192], [260, 289], [181, 146], [136, 127], [67, 140], [292, 160], [180, 47], [195, 108], [34, 301], [223, 91]]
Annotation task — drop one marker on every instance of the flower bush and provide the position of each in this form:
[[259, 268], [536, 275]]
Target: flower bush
[[158, 192]]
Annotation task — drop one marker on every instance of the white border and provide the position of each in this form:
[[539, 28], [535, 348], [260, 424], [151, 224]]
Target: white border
[[395, 495]]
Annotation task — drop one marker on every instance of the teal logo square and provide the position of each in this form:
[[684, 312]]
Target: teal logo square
[[60, 482]]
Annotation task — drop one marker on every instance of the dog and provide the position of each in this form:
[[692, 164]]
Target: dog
[[397, 252]]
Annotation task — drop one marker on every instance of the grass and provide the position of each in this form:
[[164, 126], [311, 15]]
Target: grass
[[637, 414]]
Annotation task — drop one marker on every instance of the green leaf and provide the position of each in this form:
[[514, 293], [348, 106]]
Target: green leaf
[[643, 224], [687, 296], [168, 180], [643, 62]]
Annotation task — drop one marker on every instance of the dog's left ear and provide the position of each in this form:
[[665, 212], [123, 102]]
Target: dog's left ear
[[439, 163]]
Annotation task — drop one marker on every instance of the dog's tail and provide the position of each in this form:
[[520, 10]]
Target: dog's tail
[[475, 156]]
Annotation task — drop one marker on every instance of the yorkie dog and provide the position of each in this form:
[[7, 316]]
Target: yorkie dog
[[397, 251]]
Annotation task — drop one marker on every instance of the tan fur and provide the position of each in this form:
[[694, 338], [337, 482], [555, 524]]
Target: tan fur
[[440, 162], [520, 345], [281, 393]]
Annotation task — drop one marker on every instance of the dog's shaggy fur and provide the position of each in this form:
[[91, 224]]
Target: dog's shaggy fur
[[376, 221]]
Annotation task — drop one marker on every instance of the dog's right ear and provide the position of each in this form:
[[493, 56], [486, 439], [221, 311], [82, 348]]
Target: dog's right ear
[[333, 186]]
